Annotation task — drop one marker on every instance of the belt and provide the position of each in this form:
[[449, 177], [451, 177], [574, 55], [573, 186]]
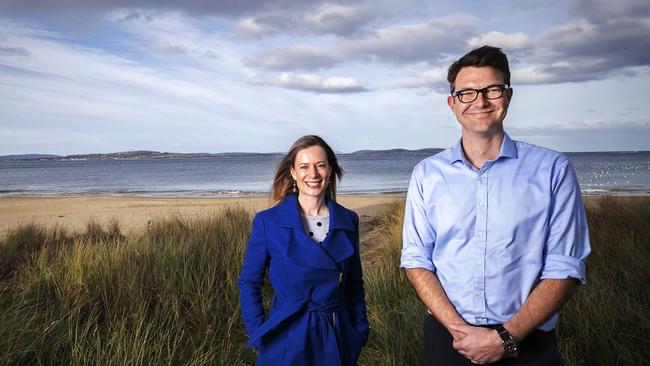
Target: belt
[[288, 309]]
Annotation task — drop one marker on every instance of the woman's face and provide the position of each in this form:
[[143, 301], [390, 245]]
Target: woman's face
[[311, 171]]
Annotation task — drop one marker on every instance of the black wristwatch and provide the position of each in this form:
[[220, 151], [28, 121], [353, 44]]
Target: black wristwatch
[[509, 343]]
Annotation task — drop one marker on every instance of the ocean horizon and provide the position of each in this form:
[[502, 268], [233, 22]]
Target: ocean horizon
[[367, 172]]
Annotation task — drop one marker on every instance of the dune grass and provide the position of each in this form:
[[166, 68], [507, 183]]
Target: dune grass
[[169, 296], [607, 322]]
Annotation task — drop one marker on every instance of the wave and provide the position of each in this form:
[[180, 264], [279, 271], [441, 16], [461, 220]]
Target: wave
[[615, 192]]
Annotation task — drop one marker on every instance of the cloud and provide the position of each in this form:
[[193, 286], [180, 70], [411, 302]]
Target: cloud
[[577, 50], [169, 34], [137, 16], [271, 16], [57, 74], [326, 18], [256, 17], [192, 7], [533, 5], [582, 50], [343, 18], [602, 40], [433, 78], [169, 49], [296, 58], [512, 41], [604, 9], [316, 84], [428, 42], [81, 88], [14, 51]]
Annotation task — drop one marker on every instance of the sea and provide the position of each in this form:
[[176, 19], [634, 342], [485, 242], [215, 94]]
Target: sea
[[237, 175]]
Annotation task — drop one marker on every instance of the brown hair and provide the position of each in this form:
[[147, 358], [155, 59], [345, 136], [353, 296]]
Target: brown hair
[[480, 57], [283, 181]]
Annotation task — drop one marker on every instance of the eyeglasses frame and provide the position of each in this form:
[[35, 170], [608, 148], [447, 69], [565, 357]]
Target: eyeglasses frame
[[504, 88]]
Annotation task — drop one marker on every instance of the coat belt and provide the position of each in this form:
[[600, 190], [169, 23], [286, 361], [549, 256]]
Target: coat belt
[[288, 309]]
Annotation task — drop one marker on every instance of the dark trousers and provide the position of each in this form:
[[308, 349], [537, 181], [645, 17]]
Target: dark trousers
[[539, 348]]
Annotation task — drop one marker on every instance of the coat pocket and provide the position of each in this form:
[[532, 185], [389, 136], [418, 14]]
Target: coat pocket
[[278, 348], [351, 343]]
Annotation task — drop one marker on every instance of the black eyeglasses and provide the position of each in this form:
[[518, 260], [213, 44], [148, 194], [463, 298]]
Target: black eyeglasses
[[490, 92]]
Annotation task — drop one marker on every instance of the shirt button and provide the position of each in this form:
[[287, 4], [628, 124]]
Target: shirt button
[[480, 233], [479, 262], [481, 204], [477, 293]]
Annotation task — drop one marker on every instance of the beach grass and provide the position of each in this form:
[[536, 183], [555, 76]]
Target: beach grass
[[168, 295], [608, 321]]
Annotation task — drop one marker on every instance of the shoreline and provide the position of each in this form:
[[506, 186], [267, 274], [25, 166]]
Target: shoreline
[[241, 194], [134, 213]]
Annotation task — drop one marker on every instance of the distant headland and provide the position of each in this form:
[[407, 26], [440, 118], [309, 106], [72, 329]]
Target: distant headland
[[147, 154]]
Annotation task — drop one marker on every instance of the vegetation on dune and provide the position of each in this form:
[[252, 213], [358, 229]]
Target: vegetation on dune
[[607, 321], [169, 294]]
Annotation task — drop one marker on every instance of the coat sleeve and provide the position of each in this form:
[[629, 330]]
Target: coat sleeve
[[251, 277], [355, 293]]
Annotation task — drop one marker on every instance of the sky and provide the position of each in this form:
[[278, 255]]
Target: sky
[[87, 76]]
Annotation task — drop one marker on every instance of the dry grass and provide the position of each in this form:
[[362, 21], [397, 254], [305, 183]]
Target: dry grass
[[169, 294]]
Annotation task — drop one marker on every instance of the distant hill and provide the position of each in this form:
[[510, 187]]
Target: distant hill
[[29, 157], [147, 154], [428, 151], [130, 155]]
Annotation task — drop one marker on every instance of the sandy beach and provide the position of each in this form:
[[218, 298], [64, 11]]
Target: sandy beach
[[133, 213]]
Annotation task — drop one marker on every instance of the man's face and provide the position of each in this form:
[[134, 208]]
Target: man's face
[[482, 116]]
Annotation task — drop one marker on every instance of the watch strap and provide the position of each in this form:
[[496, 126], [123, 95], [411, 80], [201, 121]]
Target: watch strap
[[509, 343]]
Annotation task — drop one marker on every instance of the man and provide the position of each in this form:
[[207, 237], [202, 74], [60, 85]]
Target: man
[[495, 235]]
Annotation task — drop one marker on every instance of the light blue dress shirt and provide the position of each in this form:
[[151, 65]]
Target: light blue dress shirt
[[491, 234]]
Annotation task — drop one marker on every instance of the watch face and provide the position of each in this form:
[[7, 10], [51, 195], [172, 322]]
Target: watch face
[[510, 346]]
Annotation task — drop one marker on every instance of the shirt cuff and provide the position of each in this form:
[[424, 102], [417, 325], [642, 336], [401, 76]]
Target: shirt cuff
[[560, 267], [417, 257]]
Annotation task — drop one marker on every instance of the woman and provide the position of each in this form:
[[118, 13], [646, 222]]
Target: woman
[[310, 245]]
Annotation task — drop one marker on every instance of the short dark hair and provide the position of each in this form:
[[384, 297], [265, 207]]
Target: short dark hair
[[283, 181], [479, 57]]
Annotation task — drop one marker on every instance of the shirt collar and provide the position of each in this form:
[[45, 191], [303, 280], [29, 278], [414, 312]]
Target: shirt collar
[[508, 150], [457, 152], [288, 214]]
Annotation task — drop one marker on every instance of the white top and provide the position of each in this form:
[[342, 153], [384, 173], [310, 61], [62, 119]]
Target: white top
[[316, 227]]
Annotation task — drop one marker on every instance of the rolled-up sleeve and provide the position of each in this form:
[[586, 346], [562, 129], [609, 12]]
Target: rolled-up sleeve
[[567, 245], [418, 235]]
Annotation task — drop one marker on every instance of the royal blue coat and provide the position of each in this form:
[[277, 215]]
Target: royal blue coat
[[318, 313]]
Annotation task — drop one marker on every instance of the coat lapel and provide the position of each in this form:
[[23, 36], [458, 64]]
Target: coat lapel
[[342, 230], [302, 250]]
